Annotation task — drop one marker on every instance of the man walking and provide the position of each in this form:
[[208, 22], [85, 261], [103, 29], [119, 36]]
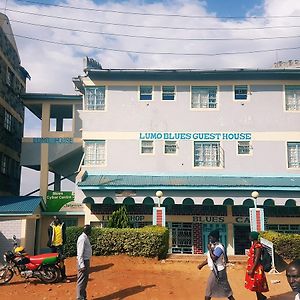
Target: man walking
[[84, 253], [293, 276], [56, 241]]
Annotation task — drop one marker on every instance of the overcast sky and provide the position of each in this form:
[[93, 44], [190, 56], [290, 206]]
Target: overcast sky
[[53, 40]]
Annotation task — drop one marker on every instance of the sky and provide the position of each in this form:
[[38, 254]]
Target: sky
[[53, 37]]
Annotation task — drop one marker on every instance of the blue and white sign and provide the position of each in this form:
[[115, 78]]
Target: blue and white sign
[[52, 140], [198, 136]]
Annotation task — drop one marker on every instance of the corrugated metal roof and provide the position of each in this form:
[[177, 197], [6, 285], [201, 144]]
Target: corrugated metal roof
[[19, 205], [188, 182]]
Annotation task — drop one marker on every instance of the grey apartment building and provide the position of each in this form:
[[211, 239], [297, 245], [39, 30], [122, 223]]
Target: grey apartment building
[[12, 85], [206, 139]]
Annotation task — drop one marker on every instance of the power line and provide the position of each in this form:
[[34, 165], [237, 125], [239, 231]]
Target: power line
[[154, 26], [155, 37], [155, 53], [153, 14]]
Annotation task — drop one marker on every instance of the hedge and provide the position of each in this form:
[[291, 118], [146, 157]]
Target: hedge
[[149, 241], [285, 245]]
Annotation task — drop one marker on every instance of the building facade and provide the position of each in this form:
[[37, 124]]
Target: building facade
[[206, 139], [12, 85]]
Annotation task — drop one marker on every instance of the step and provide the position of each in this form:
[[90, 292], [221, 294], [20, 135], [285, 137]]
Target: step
[[200, 257]]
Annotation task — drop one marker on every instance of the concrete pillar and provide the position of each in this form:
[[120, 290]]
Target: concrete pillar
[[59, 124], [230, 234], [44, 171], [57, 182]]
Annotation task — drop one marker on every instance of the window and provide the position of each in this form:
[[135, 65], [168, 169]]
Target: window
[[95, 98], [207, 154], [292, 97], [293, 155], [147, 147], [70, 221], [168, 92], [170, 147], [240, 92], [244, 147], [4, 164], [204, 97], [9, 77], [145, 92], [8, 121], [94, 153]]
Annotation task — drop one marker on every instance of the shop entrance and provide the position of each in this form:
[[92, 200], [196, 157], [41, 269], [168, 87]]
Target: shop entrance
[[241, 239], [182, 241], [207, 228]]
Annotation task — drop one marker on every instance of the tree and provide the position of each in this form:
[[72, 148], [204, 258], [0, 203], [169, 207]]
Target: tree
[[119, 219]]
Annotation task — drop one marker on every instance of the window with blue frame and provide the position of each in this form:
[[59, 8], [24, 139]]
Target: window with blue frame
[[240, 92], [292, 97], [146, 92], [204, 97], [244, 147], [95, 98], [168, 92]]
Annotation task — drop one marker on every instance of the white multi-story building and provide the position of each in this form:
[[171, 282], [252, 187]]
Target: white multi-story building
[[207, 139]]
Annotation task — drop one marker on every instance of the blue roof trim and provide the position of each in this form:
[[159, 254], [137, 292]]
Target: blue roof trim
[[198, 75], [146, 182], [41, 96], [22, 205]]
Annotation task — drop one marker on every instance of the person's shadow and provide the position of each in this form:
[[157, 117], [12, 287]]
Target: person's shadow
[[100, 268], [73, 278], [122, 294]]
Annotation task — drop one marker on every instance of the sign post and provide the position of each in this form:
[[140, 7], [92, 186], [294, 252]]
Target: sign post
[[56, 200], [159, 216], [159, 213], [270, 248], [257, 219]]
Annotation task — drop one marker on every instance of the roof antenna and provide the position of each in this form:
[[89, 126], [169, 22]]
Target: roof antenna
[[5, 7]]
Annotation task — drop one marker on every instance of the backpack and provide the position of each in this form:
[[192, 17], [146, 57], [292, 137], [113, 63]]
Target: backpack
[[266, 259]]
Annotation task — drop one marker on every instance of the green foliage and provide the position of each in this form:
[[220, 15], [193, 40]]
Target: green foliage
[[285, 245], [119, 219], [72, 234], [149, 241]]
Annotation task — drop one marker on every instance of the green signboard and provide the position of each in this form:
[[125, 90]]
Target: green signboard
[[56, 200]]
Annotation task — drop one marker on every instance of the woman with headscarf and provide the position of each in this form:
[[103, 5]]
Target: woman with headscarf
[[255, 276], [217, 284]]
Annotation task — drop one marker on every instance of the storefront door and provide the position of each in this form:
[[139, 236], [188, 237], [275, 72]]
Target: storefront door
[[182, 241], [241, 239], [207, 228]]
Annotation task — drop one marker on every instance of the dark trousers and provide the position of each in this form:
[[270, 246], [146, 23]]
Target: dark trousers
[[82, 281], [60, 251]]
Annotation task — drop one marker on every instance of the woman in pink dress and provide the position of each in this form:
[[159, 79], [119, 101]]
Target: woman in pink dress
[[255, 276]]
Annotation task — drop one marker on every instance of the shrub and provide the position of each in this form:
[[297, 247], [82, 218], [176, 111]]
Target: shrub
[[72, 234], [285, 245], [149, 241], [119, 219]]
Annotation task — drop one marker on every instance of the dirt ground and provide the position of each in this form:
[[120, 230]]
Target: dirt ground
[[123, 277]]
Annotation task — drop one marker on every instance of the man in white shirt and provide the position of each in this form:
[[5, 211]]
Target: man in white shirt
[[84, 253], [293, 276]]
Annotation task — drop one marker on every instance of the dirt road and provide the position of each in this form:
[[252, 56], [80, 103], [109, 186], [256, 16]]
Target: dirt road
[[122, 277]]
